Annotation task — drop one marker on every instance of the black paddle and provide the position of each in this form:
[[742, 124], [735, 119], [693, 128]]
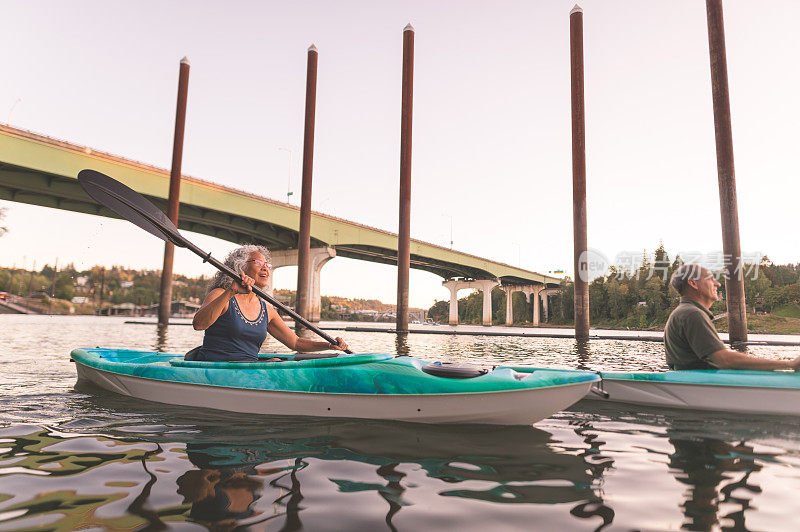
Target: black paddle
[[136, 209]]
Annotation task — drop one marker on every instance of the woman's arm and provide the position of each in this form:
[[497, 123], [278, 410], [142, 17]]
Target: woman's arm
[[281, 332], [214, 306], [216, 303]]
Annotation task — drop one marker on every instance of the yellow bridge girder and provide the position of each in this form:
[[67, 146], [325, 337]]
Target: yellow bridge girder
[[40, 170]]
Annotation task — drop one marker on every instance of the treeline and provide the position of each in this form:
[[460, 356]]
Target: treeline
[[638, 299], [643, 298], [99, 285]]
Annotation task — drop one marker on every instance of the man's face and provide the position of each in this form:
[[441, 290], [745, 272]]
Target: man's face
[[707, 286]]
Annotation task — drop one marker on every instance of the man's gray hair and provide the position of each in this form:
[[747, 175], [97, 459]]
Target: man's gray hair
[[236, 261], [685, 273]]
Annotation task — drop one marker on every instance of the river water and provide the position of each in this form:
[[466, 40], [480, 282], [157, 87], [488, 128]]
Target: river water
[[82, 458]]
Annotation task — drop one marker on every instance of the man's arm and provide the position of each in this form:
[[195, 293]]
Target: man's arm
[[728, 359]]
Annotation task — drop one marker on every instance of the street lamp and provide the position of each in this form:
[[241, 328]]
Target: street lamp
[[8, 120], [289, 183], [451, 228]]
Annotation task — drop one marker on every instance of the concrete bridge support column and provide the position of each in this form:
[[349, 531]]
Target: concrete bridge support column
[[529, 290], [453, 287], [535, 314], [509, 290], [318, 258], [532, 294], [484, 286]]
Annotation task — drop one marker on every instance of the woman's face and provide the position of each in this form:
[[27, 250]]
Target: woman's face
[[257, 267]]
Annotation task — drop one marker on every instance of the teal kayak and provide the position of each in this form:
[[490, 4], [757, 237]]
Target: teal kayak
[[372, 385], [739, 391]]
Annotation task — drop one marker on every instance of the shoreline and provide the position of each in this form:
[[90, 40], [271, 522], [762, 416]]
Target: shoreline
[[522, 332]]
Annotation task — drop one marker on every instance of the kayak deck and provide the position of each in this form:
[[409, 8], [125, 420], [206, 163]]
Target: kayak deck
[[369, 373]]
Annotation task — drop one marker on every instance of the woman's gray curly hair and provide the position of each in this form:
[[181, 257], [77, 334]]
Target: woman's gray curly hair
[[236, 261]]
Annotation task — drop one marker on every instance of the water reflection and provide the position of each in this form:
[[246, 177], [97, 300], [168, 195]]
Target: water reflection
[[582, 354], [598, 463], [99, 460], [139, 505], [401, 344], [705, 465], [162, 337], [229, 471], [717, 471], [220, 494]]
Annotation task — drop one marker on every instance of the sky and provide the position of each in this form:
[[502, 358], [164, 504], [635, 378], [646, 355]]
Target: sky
[[491, 126]]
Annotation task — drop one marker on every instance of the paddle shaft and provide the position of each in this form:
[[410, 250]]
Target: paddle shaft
[[260, 293]]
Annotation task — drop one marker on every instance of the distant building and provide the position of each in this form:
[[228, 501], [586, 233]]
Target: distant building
[[123, 309], [179, 309]]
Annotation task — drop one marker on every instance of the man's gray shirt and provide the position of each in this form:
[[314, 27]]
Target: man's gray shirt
[[690, 337]]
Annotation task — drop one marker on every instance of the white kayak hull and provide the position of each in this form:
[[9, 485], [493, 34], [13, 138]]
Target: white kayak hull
[[508, 407], [696, 396]]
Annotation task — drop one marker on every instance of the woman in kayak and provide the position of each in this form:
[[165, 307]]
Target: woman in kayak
[[237, 321]]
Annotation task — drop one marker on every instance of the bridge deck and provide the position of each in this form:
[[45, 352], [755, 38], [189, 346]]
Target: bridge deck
[[43, 171]]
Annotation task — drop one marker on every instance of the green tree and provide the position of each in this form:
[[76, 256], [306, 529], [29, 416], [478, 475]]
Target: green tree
[[440, 311], [470, 308], [755, 289], [661, 265], [617, 294], [654, 293], [564, 302], [598, 307], [791, 293], [677, 263], [521, 308], [645, 270], [772, 298], [780, 275], [63, 288]]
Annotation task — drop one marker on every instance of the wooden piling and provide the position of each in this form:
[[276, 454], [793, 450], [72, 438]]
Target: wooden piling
[[302, 302], [404, 230], [726, 177], [173, 201], [579, 175]]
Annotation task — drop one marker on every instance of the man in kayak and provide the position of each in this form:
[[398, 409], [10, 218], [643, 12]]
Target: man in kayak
[[690, 339], [237, 321]]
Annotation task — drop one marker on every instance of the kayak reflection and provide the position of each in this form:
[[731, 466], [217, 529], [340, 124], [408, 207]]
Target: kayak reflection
[[517, 464], [712, 470], [717, 471], [245, 470]]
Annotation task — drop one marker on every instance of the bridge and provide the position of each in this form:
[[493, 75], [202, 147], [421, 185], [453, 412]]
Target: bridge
[[40, 170]]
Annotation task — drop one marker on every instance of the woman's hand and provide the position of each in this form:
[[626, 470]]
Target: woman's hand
[[340, 345], [245, 287]]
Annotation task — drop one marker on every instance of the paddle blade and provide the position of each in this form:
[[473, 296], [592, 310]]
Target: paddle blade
[[130, 205]]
